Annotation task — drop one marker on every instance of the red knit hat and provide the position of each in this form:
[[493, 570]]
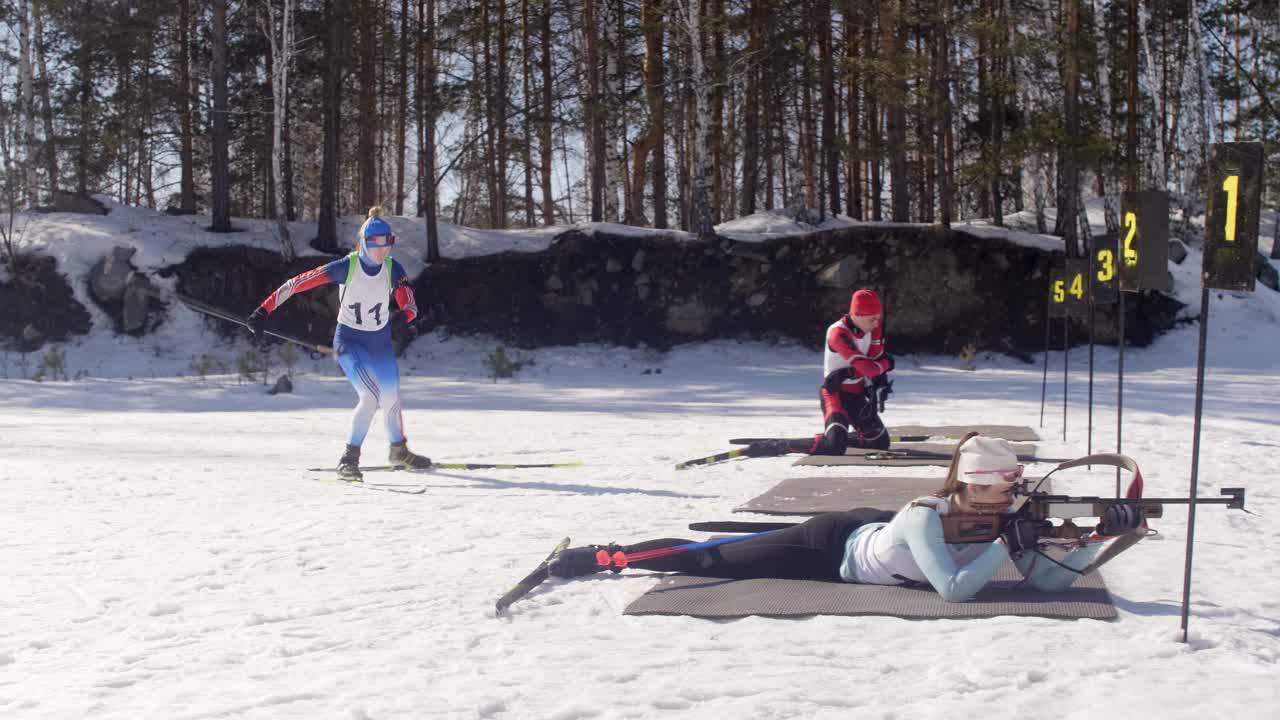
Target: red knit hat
[[865, 302]]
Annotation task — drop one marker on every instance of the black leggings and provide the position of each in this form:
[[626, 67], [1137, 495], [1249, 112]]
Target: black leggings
[[812, 550]]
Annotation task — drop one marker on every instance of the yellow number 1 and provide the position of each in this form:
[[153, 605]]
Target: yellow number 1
[[1130, 253], [1232, 186]]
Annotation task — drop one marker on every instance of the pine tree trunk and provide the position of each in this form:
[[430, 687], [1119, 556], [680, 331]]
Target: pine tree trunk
[[402, 98], [942, 58], [701, 222], [717, 78], [655, 92], [875, 187], [281, 52], [751, 108], [1131, 116], [767, 98], [50, 144], [808, 130], [892, 36], [500, 99], [1069, 169], [996, 115], [26, 106], [327, 220], [526, 98], [367, 108], [221, 202], [853, 200], [592, 111], [925, 132], [427, 158], [826, 71], [548, 199], [615, 136]]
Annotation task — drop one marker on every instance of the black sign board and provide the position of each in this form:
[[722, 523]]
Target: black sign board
[[1144, 241], [1105, 270], [1076, 278], [1057, 293], [1231, 223]]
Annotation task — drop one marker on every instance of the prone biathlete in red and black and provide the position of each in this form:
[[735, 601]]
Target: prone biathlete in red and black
[[854, 364], [367, 280]]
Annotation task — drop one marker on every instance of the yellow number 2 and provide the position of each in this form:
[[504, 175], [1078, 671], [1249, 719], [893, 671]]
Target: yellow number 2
[[1130, 252], [1058, 294], [1232, 187], [1077, 286], [1108, 270]]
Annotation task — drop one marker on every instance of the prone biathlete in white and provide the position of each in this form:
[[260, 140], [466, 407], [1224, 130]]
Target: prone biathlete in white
[[367, 281], [877, 547]]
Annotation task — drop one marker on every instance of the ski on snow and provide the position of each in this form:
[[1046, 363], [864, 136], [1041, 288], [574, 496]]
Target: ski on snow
[[530, 581]]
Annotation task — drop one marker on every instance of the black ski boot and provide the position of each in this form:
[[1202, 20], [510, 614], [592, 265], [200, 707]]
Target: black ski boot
[[403, 459], [578, 561], [349, 465]]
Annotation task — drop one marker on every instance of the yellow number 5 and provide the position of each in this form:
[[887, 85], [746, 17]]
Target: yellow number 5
[[1108, 260], [1130, 252], [1232, 186], [1059, 294]]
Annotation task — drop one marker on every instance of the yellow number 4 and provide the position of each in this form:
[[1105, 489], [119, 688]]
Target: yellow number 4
[[1077, 286], [1130, 252], [1108, 270], [1232, 187]]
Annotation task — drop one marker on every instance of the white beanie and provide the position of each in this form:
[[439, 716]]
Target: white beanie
[[982, 455]]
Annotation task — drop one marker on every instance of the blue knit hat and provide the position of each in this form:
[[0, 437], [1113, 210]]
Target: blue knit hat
[[374, 227]]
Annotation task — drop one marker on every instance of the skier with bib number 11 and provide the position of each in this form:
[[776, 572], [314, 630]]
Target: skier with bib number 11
[[367, 280]]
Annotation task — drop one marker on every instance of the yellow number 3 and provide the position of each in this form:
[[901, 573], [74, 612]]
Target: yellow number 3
[[1108, 270], [1130, 252]]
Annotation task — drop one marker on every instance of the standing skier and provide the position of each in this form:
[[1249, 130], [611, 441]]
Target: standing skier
[[367, 280], [854, 368]]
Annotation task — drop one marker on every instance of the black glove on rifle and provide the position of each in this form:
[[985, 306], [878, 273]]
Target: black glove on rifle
[[1020, 534], [881, 389], [257, 322]]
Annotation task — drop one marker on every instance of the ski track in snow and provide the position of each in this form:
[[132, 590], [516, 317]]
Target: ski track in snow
[[170, 557]]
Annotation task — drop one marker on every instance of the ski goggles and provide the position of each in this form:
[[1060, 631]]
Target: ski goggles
[[991, 477], [380, 241]]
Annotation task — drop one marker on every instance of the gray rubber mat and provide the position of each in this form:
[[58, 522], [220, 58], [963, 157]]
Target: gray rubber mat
[[870, 461], [1026, 449], [720, 598], [933, 454], [1008, 432], [813, 495]]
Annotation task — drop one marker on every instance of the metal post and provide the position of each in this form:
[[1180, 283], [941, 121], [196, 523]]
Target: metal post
[[1089, 445], [1066, 351], [1195, 461], [1120, 395], [1044, 380]]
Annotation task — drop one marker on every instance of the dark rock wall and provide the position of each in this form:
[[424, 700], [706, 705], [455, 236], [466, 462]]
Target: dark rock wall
[[942, 290]]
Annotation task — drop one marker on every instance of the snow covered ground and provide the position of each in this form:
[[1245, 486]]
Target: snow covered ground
[[165, 554]]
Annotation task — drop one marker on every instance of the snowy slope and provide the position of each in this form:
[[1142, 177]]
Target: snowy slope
[[165, 554]]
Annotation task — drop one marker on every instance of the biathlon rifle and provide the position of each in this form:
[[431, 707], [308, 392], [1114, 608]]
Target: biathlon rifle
[[1043, 507]]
